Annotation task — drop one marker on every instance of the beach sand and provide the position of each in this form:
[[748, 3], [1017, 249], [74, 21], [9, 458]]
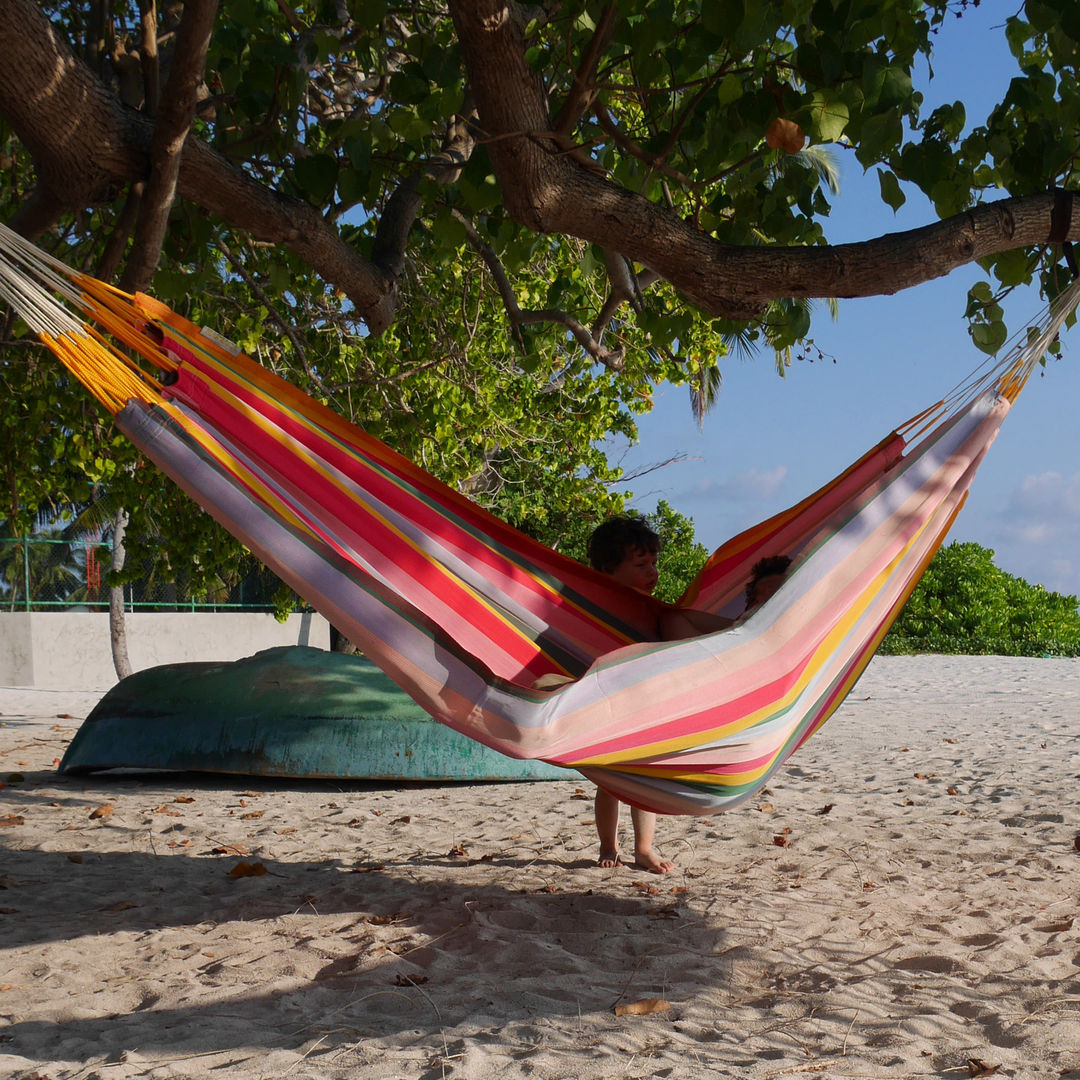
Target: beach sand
[[901, 901]]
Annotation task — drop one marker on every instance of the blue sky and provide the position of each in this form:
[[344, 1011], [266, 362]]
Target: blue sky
[[770, 441]]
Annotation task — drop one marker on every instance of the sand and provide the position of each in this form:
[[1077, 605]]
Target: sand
[[901, 901]]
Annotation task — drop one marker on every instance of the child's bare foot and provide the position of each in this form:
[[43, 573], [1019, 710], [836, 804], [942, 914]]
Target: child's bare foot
[[609, 858], [649, 860]]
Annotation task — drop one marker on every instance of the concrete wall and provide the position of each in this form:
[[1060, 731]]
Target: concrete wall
[[61, 650]]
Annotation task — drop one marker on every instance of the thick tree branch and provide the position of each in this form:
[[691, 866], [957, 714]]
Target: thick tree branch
[[551, 193], [174, 118], [88, 146]]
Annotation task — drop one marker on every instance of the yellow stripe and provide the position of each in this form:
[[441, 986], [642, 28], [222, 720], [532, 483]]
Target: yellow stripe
[[825, 648]]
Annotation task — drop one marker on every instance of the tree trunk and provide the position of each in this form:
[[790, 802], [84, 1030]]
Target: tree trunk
[[117, 626], [340, 643]]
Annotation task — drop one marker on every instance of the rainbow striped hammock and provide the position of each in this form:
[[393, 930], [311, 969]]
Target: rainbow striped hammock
[[465, 613]]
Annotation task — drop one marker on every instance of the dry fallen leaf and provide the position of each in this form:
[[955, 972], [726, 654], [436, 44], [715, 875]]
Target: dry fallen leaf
[[75, 858], [101, 812], [252, 814], [782, 841], [457, 852], [10, 820], [786, 135], [643, 1007], [978, 1067], [246, 869], [766, 808], [826, 809], [950, 790], [230, 849], [183, 799]]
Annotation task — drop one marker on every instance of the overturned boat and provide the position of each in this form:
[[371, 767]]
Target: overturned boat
[[288, 712]]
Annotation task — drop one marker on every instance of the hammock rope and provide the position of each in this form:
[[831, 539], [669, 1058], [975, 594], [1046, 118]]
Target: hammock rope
[[465, 613]]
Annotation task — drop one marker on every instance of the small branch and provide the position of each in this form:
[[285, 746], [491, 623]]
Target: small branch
[[655, 161], [583, 90], [396, 222], [283, 324], [149, 54], [39, 212], [610, 358], [170, 133], [121, 231]]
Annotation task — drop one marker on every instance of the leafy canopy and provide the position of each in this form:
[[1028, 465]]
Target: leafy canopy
[[965, 604], [513, 351]]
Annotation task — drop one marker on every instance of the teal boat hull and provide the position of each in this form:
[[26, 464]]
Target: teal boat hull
[[289, 712]]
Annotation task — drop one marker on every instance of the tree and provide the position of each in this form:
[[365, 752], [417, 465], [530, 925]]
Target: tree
[[537, 212], [966, 604], [663, 140]]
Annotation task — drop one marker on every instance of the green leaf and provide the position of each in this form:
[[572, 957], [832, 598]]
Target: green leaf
[[989, 336], [890, 189], [729, 90], [828, 116], [316, 177]]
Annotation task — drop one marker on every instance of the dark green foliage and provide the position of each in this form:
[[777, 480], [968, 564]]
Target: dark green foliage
[[682, 557], [965, 604]]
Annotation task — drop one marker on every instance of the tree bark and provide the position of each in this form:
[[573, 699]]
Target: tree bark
[[551, 192], [172, 124], [88, 146], [117, 624]]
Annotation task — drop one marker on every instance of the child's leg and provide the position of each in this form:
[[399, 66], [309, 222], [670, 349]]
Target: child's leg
[[606, 809], [644, 856]]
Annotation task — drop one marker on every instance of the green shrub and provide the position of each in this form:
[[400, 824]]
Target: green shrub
[[965, 604]]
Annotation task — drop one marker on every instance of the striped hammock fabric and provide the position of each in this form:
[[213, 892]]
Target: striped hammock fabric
[[466, 614]]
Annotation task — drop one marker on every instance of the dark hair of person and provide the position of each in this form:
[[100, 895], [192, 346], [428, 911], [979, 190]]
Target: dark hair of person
[[618, 536], [763, 568]]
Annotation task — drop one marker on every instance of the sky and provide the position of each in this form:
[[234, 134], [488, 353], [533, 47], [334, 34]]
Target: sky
[[769, 441]]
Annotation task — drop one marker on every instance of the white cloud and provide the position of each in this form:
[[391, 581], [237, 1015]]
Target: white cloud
[[1037, 534], [754, 485]]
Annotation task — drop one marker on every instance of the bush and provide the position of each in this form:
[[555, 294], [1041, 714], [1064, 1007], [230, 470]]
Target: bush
[[965, 604]]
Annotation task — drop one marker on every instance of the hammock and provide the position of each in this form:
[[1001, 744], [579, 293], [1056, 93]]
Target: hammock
[[465, 613]]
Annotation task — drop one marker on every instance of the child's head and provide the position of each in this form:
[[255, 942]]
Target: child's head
[[626, 548], [765, 578]]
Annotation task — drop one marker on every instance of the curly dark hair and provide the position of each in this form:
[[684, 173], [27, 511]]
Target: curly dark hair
[[615, 538], [763, 568]]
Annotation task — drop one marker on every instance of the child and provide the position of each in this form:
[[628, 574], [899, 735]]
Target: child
[[626, 548], [766, 577]]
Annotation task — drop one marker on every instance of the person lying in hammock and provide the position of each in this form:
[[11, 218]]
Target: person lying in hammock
[[627, 549]]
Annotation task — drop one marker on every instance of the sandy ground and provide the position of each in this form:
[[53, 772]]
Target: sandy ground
[[900, 902]]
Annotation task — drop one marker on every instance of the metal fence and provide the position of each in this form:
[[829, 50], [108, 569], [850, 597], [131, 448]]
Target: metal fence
[[40, 573]]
